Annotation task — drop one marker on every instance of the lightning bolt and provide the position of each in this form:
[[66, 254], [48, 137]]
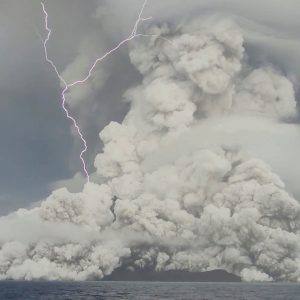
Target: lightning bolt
[[129, 38], [63, 94], [67, 86]]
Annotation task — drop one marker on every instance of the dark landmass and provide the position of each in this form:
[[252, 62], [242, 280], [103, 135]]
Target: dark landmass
[[147, 274]]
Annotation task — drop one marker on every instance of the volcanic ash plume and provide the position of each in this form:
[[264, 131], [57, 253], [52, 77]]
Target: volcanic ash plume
[[182, 188]]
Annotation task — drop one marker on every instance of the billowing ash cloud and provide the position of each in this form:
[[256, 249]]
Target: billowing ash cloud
[[184, 186]]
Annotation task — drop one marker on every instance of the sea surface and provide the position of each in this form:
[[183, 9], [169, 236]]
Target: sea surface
[[146, 290]]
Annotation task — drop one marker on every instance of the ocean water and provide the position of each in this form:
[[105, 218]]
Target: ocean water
[[147, 291]]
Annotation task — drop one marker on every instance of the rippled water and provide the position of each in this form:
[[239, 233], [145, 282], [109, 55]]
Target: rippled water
[[146, 290]]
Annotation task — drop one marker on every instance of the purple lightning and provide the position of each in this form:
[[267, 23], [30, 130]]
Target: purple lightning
[[67, 86]]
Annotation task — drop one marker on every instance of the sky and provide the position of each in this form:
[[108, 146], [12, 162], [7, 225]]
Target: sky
[[38, 146]]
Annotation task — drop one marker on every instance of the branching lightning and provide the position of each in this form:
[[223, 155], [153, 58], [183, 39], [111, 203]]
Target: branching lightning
[[67, 86]]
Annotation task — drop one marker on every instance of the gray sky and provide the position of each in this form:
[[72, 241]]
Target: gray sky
[[37, 148]]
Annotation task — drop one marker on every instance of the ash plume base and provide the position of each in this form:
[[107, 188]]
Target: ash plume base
[[190, 180]]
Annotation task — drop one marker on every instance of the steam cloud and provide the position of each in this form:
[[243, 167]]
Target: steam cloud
[[184, 183]]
